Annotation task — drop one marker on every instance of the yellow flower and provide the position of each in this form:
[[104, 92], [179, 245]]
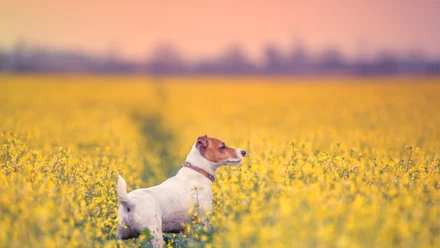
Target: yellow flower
[[336, 163]]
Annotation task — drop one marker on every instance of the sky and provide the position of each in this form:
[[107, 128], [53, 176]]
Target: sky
[[204, 28]]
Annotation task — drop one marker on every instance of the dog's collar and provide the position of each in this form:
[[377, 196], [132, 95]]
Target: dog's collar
[[199, 170]]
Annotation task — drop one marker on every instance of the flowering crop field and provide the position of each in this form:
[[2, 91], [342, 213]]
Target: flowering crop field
[[337, 162]]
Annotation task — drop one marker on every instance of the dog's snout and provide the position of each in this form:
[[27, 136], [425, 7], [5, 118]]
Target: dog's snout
[[243, 153]]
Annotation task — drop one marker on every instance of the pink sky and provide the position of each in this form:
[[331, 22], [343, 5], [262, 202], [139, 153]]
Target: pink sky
[[202, 28]]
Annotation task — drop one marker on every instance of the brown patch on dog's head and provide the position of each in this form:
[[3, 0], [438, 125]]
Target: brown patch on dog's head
[[216, 150]]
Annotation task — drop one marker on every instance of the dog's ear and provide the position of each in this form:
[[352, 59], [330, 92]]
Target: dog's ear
[[202, 141]]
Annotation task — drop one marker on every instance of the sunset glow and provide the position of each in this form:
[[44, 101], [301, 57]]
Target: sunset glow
[[205, 28]]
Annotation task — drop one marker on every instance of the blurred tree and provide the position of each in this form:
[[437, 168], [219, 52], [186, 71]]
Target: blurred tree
[[386, 62], [299, 59], [332, 60], [274, 60], [21, 59], [166, 60], [234, 61]]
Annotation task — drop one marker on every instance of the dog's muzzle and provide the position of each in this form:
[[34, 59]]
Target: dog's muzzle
[[243, 153]]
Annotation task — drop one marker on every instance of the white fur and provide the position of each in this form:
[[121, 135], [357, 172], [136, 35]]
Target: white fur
[[163, 208]]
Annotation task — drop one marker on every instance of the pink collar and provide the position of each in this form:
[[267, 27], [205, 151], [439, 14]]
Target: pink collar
[[199, 170]]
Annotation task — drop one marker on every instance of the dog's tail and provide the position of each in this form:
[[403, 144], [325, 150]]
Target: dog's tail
[[123, 197]]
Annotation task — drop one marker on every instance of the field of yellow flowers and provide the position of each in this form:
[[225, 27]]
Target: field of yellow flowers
[[341, 162]]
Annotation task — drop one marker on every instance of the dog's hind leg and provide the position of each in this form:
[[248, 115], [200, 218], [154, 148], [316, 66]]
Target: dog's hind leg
[[151, 220], [124, 231], [154, 225]]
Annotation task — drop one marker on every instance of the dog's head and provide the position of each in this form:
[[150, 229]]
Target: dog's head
[[215, 150]]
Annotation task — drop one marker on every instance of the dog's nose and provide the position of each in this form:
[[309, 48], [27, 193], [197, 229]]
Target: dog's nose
[[243, 153]]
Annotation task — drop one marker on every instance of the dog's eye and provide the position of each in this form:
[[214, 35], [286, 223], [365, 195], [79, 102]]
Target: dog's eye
[[223, 147]]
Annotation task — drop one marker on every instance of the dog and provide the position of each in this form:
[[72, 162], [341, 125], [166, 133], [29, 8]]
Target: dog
[[165, 207]]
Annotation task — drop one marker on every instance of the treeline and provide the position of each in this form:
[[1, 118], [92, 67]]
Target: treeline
[[166, 60]]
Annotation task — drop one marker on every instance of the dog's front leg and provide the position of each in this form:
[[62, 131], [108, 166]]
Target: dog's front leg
[[202, 199], [205, 213]]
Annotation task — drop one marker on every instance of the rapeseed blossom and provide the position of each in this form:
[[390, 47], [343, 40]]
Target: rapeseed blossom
[[338, 163]]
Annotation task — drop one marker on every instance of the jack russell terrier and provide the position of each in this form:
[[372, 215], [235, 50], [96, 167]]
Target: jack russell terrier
[[165, 207]]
